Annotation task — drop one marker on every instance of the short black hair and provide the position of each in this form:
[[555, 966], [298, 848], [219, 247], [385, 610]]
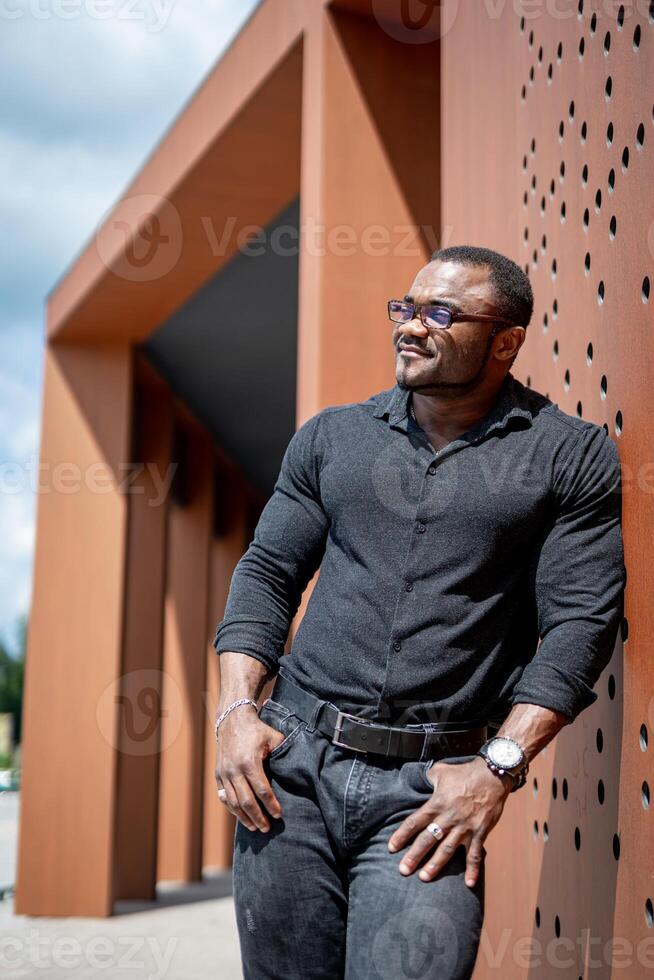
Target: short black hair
[[513, 292]]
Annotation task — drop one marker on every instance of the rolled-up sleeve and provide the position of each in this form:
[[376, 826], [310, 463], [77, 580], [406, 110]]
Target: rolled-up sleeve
[[577, 579], [286, 550]]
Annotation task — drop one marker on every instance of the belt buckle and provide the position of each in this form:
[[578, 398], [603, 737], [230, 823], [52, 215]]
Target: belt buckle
[[338, 730]]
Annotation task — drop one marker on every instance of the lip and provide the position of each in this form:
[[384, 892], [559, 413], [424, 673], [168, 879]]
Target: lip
[[410, 351]]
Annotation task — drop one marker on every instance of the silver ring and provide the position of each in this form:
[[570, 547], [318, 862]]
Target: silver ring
[[222, 793], [435, 830]]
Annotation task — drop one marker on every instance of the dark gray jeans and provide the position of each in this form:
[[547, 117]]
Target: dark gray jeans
[[320, 895]]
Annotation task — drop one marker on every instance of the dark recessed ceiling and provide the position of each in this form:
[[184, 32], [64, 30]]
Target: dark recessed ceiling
[[230, 352]]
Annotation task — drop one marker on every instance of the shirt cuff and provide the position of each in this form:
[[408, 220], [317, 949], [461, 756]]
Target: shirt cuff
[[234, 638], [549, 687]]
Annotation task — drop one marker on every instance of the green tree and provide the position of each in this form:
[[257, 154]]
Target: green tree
[[12, 673]]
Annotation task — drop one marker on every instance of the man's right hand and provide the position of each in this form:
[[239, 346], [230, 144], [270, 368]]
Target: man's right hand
[[244, 741]]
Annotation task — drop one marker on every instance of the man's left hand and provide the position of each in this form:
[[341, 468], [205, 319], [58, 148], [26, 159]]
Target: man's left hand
[[467, 802]]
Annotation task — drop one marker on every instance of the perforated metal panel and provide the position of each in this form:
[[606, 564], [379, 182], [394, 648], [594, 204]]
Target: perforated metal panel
[[554, 166]]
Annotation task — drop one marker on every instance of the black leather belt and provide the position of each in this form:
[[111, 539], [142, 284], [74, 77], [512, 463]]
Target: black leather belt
[[427, 741]]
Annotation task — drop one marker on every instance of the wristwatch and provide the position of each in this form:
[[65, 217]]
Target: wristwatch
[[503, 755]]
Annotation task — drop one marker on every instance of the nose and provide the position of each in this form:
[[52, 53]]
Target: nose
[[413, 328]]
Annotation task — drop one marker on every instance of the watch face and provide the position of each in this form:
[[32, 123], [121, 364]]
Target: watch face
[[505, 753]]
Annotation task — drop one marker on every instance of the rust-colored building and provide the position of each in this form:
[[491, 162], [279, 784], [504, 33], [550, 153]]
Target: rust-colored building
[[238, 287]]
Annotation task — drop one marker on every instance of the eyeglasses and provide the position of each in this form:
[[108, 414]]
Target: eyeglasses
[[438, 317]]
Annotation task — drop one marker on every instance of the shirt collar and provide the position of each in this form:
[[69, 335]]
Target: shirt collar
[[511, 403]]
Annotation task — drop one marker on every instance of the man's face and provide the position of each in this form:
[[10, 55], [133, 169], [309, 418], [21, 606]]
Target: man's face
[[456, 357]]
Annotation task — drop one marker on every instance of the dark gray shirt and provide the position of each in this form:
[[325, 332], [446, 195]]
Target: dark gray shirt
[[453, 584]]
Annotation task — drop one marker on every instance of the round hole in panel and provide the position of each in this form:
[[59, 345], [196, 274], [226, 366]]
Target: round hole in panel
[[564, 788], [555, 350], [644, 737], [649, 913], [535, 831], [611, 180], [621, 17], [580, 9], [598, 200], [640, 136], [566, 380], [616, 846], [600, 791], [587, 267], [624, 629], [533, 147], [586, 219], [645, 795], [607, 42], [637, 37], [557, 927], [610, 687], [561, 171], [559, 52], [542, 205], [613, 227], [625, 158], [601, 289], [645, 290], [552, 187], [609, 134], [540, 53], [599, 740], [522, 25], [531, 39], [580, 410], [545, 322], [608, 88], [535, 786], [584, 131], [537, 917], [561, 130], [554, 268], [554, 789], [603, 386], [593, 24], [589, 354], [546, 832], [582, 47], [571, 111], [577, 839], [563, 212], [584, 175], [618, 423]]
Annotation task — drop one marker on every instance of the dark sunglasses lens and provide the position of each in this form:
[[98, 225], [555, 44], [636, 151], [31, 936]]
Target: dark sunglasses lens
[[437, 316], [400, 312]]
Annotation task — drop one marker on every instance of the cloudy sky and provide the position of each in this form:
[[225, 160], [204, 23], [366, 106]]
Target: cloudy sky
[[88, 88]]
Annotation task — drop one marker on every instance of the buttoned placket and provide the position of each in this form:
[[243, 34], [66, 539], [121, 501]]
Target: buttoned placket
[[401, 421]]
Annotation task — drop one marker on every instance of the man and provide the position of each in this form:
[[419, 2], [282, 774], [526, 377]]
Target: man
[[468, 534]]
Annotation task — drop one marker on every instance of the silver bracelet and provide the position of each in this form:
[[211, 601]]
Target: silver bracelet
[[234, 704]]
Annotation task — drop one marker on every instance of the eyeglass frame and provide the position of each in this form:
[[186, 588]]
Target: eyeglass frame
[[454, 317]]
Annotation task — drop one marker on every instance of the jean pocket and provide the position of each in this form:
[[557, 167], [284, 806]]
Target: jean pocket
[[426, 765], [283, 720]]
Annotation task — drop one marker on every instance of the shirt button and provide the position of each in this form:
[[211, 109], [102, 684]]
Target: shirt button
[[397, 645], [420, 528], [432, 469], [409, 586]]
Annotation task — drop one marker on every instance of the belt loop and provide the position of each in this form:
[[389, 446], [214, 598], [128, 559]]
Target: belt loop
[[315, 714]]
